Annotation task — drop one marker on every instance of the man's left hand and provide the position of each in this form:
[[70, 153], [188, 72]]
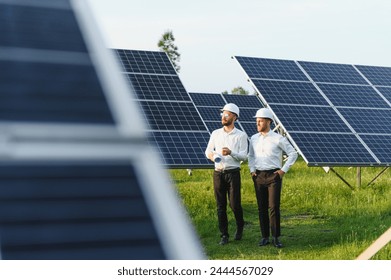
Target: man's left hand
[[280, 173]]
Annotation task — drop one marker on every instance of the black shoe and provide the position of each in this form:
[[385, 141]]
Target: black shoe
[[224, 240], [239, 234], [264, 242], [277, 243]]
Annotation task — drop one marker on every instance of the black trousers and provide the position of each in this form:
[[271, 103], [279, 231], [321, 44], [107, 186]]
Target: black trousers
[[267, 186], [227, 185]]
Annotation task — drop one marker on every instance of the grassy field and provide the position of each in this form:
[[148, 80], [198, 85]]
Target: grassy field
[[322, 218]]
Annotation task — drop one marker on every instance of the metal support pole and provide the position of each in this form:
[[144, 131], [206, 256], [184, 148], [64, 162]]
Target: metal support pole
[[378, 175], [340, 177], [358, 177]]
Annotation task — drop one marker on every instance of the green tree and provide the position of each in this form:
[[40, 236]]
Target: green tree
[[237, 90], [167, 45]]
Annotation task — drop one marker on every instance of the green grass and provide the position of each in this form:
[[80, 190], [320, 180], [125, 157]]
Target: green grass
[[322, 218]]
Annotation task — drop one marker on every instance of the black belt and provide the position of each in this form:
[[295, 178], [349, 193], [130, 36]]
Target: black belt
[[228, 171], [267, 171]]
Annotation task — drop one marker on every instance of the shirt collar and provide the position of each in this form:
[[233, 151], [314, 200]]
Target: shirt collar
[[233, 131], [267, 134]]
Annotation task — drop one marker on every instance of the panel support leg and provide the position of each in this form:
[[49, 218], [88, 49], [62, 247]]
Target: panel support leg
[[378, 175]]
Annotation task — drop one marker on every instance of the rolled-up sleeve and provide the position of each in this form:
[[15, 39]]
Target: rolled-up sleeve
[[291, 153], [241, 155]]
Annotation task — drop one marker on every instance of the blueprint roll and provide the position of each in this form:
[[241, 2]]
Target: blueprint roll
[[216, 158]]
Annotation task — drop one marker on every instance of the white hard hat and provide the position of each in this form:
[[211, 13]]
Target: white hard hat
[[264, 113], [231, 108]]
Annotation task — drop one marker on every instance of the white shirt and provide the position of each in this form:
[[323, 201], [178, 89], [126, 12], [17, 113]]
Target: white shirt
[[265, 152], [235, 140]]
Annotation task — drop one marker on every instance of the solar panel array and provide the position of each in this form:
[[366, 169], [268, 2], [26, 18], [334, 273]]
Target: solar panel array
[[175, 125], [74, 159], [209, 105], [336, 114]]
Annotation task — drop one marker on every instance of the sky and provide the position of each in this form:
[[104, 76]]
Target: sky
[[209, 32]]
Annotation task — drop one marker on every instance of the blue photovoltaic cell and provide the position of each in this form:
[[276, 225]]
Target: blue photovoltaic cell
[[60, 29], [263, 68], [158, 87], [207, 99], [172, 116], [249, 127], [290, 92], [213, 125], [96, 209], [46, 89], [332, 149], [308, 118], [243, 101], [333, 73], [210, 113], [378, 76], [380, 145], [71, 93], [182, 148], [146, 62], [386, 91], [248, 114], [353, 96], [368, 120]]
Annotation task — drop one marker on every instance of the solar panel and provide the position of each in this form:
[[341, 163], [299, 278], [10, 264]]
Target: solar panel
[[290, 92], [332, 149], [380, 76], [75, 211], [310, 118], [368, 120], [145, 62], [180, 116], [153, 87], [332, 73], [380, 145], [353, 96], [386, 92], [275, 69], [181, 147], [335, 115], [75, 167], [167, 107], [208, 99], [243, 101]]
